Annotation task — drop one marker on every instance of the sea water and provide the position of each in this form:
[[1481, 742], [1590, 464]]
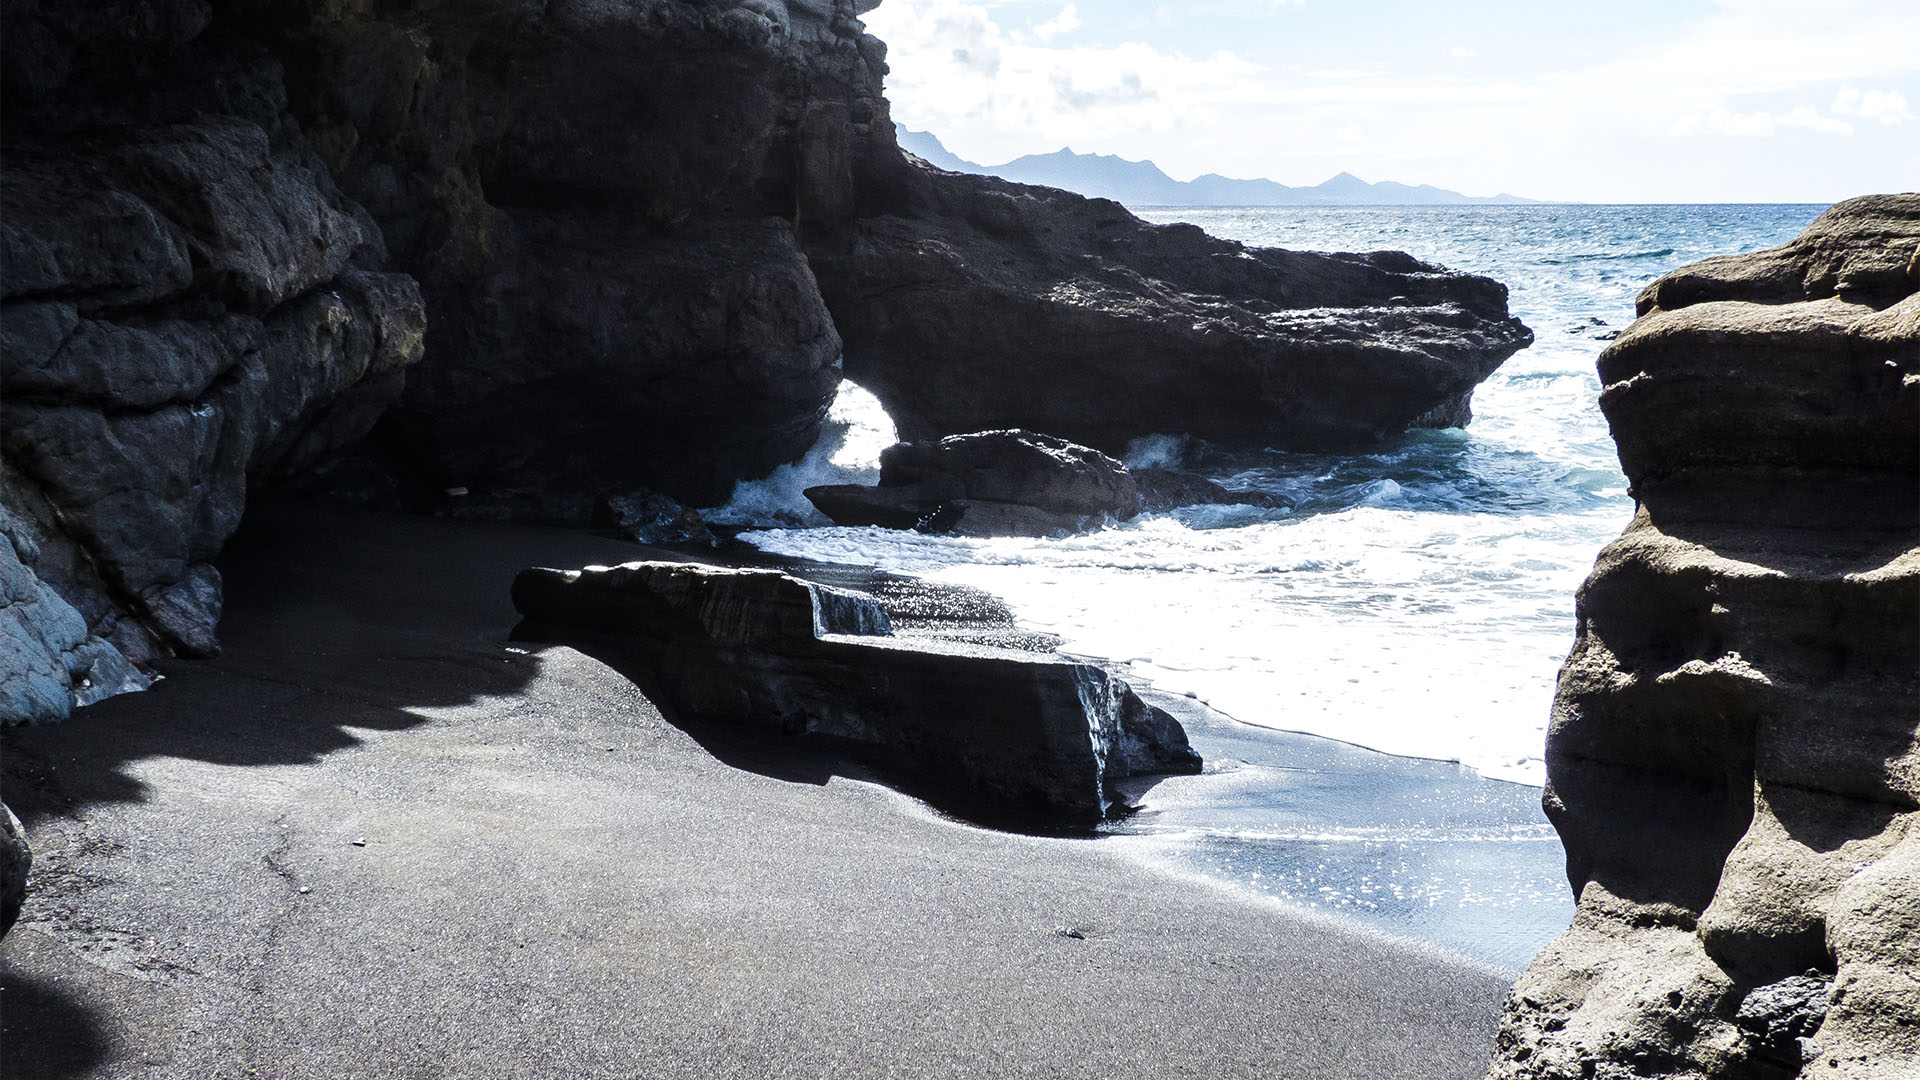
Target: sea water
[[1414, 599]]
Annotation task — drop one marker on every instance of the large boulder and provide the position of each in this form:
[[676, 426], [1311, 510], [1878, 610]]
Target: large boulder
[[989, 483], [1012, 483], [189, 308], [1009, 738], [1732, 759]]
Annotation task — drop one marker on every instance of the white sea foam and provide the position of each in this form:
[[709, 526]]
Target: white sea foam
[[857, 428], [1432, 635]]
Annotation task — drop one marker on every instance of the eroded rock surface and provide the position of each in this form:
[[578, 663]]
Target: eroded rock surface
[[969, 303], [1006, 737], [989, 483], [1012, 483], [189, 307], [612, 246], [599, 201], [1732, 760]]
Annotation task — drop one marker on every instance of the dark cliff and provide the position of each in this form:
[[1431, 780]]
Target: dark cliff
[[543, 251], [1732, 758]]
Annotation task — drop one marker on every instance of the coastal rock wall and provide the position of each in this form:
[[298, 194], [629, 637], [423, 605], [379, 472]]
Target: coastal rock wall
[[553, 251], [188, 307], [1733, 761], [600, 203]]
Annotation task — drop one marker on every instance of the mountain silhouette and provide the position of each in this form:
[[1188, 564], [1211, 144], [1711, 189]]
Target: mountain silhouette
[[1141, 183]]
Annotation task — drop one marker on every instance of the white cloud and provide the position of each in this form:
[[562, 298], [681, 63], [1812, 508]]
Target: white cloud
[[1751, 99], [1760, 124], [1886, 106], [993, 94], [1064, 23]]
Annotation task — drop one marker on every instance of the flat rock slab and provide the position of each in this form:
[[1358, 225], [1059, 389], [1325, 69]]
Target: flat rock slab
[[1022, 739], [528, 902]]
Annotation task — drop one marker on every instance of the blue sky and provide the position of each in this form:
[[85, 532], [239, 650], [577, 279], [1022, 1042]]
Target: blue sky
[[1635, 101]]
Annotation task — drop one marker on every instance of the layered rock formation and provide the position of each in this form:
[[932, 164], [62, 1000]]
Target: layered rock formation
[[1732, 760], [1013, 738]]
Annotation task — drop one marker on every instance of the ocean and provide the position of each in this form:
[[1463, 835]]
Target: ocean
[[1415, 600]]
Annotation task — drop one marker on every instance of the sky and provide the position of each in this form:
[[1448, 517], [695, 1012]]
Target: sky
[[1596, 101]]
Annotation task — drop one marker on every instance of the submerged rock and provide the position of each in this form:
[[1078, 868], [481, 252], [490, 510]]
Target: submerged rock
[[1004, 737], [1170, 489], [1731, 761]]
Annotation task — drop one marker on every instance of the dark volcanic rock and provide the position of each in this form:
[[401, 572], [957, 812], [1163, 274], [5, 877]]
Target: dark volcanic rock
[[599, 203], [989, 483], [1731, 761], [608, 205], [590, 232], [652, 518], [1012, 483], [969, 303], [16, 860], [1005, 737], [189, 308]]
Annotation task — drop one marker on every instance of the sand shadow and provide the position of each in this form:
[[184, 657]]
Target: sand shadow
[[336, 620], [46, 1033]]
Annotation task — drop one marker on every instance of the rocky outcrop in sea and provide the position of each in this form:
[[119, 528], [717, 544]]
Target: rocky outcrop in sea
[[514, 258], [1732, 757], [1011, 483], [969, 303]]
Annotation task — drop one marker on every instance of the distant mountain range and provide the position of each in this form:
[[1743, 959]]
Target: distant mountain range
[[1141, 183]]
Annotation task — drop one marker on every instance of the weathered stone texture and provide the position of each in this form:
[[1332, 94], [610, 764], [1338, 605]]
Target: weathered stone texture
[[1734, 756], [1011, 738], [189, 308]]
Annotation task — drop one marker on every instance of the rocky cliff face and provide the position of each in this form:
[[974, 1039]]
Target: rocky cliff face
[[600, 202], [552, 250], [970, 304], [190, 307], [1732, 760]]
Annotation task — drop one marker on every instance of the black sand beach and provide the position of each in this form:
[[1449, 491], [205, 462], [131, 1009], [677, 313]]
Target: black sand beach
[[375, 838]]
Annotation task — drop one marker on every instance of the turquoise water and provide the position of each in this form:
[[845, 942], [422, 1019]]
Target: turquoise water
[[1416, 599]]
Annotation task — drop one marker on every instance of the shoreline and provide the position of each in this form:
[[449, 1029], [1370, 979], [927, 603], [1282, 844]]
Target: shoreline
[[1371, 873], [373, 806]]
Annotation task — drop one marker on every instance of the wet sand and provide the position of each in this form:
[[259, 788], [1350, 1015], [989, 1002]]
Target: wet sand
[[378, 839]]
